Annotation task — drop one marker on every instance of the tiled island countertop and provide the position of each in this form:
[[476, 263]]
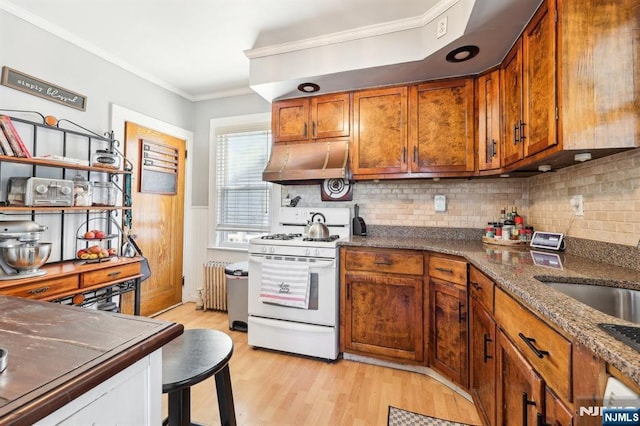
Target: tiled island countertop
[[513, 270]]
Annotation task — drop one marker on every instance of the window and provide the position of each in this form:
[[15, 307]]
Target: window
[[242, 198]]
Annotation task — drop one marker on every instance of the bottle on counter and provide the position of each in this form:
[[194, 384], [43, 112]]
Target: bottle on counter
[[514, 214], [503, 217]]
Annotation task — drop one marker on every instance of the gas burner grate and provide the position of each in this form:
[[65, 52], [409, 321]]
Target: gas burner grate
[[326, 240], [627, 334], [281, 236]]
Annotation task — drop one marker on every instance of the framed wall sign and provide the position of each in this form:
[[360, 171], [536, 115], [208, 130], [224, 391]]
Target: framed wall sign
[[34, 86]]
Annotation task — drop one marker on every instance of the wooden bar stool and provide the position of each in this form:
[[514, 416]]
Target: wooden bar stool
[[189, 359]]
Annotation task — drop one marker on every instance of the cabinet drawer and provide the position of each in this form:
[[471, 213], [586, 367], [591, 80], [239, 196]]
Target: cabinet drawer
[[481, 288], [43, 289], [451, 270], [115, 273], [548, 352], [405, 262]]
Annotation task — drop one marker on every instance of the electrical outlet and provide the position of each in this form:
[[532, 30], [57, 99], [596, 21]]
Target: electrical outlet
[[442, 27], [440, 203], [577, 203]]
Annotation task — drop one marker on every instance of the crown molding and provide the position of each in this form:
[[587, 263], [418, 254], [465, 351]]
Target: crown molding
[[83, 44], [355, 34]]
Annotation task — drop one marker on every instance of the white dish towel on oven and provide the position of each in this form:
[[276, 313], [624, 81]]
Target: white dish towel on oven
[[285, 283]]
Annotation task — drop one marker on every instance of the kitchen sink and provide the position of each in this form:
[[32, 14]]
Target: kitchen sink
[[618, 302]]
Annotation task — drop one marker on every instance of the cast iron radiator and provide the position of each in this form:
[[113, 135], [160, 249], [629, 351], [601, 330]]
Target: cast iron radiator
[[215, 286]]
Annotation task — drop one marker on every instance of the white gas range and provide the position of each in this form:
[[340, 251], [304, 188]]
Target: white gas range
[[293, 284]]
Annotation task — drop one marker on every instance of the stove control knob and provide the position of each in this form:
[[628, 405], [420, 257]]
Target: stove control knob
[[263, 249], [307, 251], [272, 250], [317, 252]]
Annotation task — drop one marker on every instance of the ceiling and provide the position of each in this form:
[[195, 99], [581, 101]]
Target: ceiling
[[204, 49]]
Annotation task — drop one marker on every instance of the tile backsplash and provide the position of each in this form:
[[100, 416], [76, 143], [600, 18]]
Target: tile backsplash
[[610, 188]]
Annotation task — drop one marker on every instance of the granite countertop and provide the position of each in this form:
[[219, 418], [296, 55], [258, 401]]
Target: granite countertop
[[513, 269], [57, 353]]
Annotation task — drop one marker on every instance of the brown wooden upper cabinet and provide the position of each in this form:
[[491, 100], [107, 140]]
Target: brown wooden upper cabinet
[[380, 131], [441, 127], [308, 119], [488, 96], [528, 78]]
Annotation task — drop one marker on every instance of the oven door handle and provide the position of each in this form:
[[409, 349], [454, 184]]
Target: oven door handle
[[312, 265]]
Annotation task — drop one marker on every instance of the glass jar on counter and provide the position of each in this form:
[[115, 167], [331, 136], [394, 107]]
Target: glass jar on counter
[[82, 192], [106, 159], [104, 194]]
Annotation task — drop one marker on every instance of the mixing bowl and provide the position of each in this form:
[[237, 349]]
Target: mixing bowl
[[25, 258]]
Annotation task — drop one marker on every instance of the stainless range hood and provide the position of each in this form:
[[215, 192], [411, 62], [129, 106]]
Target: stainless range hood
[[307, 162]]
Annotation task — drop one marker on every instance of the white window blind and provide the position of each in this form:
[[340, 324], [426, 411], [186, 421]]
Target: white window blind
[[243, 198]]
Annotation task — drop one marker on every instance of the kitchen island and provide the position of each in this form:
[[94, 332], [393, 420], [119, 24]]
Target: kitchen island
[[69, 363], [514, 271]]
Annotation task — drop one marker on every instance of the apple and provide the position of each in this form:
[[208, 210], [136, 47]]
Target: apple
[[113, 251], [103, 253], [85, 256], [80, 252], [99, 234], [89, 235], [94, 249]]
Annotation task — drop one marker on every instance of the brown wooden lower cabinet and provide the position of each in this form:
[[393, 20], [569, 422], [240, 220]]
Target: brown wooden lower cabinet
[[383, 316], [448, 328], [482, 354], [519, 390], [382, 304]]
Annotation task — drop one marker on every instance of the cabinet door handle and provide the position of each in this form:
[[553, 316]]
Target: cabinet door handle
[[493, 148], [415, 154], [305, 130], [475, 285], [486, 356], [445, 270], [525, 405], [382, 262], [530, 342], [313, 129], [404, 154], [114, 274], [38, 290], [516, 137], [461, 314], [521, 126]]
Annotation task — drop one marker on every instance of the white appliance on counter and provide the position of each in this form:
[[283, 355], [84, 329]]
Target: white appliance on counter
[[294, 286]]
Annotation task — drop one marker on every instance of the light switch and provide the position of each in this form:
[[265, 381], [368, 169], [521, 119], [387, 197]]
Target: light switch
[[440, 203]]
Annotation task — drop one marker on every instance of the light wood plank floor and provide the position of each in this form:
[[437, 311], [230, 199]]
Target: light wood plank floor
[[272, 388]]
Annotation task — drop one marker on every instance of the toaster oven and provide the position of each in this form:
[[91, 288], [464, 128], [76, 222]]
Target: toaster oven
[[35, 191]]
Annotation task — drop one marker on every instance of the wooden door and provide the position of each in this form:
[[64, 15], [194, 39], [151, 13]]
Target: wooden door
[[158, 213], [519, 387], [441, 130], [488, 88], [331, 116], [384, 316], [290, 120], [482, 353], [380, 131], [539, 67], [449, 329], [511, 84]]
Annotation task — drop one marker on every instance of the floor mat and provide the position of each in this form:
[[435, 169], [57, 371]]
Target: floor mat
[[399, 417]]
